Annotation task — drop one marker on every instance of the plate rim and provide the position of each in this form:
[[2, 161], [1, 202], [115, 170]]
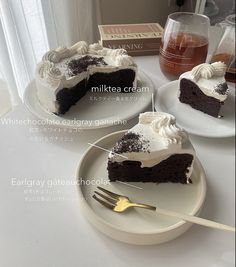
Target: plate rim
[[189, 130], [175, 226], [49, 120]]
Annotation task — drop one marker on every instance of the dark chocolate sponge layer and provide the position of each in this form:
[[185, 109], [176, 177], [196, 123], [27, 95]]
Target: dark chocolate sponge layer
[[174, 169], [118, 79], [68, 97], [191, 94]]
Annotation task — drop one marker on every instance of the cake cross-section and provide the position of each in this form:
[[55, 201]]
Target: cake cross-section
[[154, 150], [65, 75]]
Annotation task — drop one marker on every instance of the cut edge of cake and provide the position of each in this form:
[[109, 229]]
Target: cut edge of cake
[[155, 150], [204, 88]]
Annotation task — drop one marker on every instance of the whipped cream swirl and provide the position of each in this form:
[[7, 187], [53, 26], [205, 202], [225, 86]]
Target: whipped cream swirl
[[98, 49], [207, 71], [124, 60], [50, 73], [164, 124], [63, 52]]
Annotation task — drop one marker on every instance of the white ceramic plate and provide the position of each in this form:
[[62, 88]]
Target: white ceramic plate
[[194, 121], [137, 226], [95, 110]]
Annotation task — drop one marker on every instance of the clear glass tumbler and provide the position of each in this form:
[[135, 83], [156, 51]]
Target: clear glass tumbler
[[184, 43], [226, 49]]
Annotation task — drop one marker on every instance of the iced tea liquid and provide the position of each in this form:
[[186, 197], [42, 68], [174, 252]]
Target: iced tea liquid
[[181, 52]]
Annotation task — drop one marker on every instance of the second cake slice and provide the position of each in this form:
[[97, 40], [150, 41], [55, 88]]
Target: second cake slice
[[154, 150]]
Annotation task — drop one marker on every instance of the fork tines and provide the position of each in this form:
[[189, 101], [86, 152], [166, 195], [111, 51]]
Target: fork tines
[[109, 193], [104, 203], [109, 200]]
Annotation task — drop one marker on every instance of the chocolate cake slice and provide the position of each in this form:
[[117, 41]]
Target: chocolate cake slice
[[65, 75], [204, 88], [154, 150]]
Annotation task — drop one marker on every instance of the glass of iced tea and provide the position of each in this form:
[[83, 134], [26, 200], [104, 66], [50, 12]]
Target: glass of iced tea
[[184, 43]]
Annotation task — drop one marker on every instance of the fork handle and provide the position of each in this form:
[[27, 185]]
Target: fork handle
[[196, 220], [144, 206]]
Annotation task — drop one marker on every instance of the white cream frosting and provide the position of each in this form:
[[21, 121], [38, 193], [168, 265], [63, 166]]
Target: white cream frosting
[[164, 138], [60, 53], [51, 74], [208, 77], [207, 71]]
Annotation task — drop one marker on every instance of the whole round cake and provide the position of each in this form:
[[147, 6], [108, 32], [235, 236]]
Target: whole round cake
[[65, 75]]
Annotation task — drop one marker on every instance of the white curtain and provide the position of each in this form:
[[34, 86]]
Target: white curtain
[[28, 28]]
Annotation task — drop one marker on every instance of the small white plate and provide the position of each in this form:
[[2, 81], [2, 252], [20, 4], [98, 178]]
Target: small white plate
[[95, 110], [137, 226], [194, 121]]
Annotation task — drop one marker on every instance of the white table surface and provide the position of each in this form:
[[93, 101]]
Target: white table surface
[[54, 233]]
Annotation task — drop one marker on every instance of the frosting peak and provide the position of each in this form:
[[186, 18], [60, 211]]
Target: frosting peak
[[124, 60], [49, 72], [149, 117], [62, 52], [207, 71], [80, 48], [164, 124]]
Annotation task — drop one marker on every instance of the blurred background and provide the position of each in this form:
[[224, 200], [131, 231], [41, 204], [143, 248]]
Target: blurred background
[[28, 28], [138, 11]]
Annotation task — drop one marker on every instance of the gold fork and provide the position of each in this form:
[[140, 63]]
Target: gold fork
[[119, 203]]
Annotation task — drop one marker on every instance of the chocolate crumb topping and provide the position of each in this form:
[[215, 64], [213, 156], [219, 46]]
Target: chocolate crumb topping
[[131, 142], [222, 88], [77, 66]]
